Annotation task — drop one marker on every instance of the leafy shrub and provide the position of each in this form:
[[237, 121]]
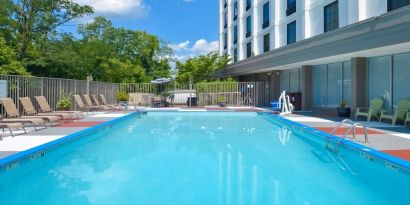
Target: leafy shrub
[[122, 96], [65, 102]]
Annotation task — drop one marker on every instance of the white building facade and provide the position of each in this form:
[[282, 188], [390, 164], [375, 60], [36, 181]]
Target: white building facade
[[328, 50], [287, 21]]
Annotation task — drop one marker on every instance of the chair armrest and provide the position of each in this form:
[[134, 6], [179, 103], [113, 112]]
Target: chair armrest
[[362, 109]]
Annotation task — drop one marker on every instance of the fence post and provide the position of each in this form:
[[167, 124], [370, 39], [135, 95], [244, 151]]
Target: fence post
[[88, 84]]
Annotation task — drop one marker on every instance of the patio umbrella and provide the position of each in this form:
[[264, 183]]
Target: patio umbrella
[[160, 82]]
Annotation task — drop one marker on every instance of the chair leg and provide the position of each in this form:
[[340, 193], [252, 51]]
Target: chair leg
[[11, 132]]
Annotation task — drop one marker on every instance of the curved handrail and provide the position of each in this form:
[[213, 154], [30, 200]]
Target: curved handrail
[[345, 121], [351, 128]]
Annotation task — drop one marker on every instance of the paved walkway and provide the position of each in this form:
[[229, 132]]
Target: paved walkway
[[393, 140], [10, 145]]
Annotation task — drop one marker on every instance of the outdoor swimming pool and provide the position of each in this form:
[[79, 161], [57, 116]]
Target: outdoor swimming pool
[[201, 158]]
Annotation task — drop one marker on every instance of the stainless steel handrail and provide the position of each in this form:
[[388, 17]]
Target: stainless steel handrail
[[345, 121], [351, 128]]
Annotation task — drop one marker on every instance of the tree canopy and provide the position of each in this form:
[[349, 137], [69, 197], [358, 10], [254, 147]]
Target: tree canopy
[[8, 62], [202, 68], [35, 44]]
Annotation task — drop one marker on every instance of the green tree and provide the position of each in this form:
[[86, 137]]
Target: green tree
[[136, 47], [8, 62], [32, 20], [122, 72], [202, 68]]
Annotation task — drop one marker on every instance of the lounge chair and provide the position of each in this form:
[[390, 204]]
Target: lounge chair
[[90, 104], [97, 103], [104, 102], [156, 101], [80, 104], [374, 111], [31, 111], [401, 112], [407, 119], [12, 126], [11, 111], [45, 108]]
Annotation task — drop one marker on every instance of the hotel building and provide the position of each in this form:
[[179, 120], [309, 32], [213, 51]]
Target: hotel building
[[328, 50]]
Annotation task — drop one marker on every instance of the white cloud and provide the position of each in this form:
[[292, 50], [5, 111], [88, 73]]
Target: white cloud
[[180, 46], [183, 50], [203, 47], [129, 8]]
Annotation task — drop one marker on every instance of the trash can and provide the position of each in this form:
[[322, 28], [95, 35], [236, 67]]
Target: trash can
[[296, 100], [193, 101]]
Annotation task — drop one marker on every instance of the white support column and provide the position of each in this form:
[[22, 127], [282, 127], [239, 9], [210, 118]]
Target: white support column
[[256, 26], [241, 30]]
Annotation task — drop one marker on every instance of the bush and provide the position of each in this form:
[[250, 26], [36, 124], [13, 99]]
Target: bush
[[221, 99], [65, 102], [122, 96]]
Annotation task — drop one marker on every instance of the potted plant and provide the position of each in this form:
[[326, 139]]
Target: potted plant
[[343, 111], [122, 97], [221, 101], [64, 103]]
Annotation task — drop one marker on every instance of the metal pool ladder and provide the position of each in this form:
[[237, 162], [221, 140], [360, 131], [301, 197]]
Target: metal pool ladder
[[351, 127]]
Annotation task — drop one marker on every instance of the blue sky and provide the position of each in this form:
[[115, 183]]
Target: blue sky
[[190, 26]]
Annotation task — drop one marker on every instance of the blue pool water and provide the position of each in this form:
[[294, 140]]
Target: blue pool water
[[201, 158]]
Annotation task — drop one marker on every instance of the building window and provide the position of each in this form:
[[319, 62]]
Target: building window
[[291, 7], [331, 16], [395, 4], [235, 35], [265, 15], [249, 50], [226, 3], [290, 80], [401, 76], [235, 55], [332, 84], [291, 33], [225, 40], [235, 11], [248, 26], [226, 20], [266, 43], [248, 4], [379, 79]]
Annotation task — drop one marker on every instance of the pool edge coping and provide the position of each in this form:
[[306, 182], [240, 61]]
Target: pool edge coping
[[24, 155], [347, 143]]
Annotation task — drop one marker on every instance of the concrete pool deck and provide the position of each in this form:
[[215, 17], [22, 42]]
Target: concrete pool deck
[[21, 142], [387, 138], [393, 140]]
